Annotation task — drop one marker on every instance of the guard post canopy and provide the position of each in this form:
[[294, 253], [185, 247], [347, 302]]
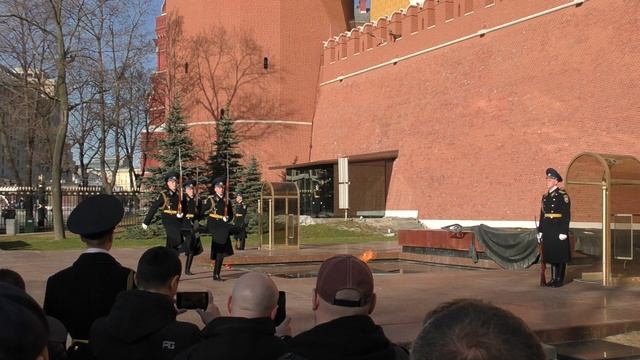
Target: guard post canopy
[[605, 212], [279, 213]]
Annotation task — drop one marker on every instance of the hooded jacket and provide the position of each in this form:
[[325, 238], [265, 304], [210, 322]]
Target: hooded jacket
[[141, 325], [346, 338]]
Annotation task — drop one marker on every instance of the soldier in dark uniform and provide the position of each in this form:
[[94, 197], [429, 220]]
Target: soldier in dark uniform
[[80, 294], [240, 221], [553, 230], [168, 200], [191, 206], [218, 212]]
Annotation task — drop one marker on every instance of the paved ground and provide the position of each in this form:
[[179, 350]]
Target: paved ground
[[576, 310]]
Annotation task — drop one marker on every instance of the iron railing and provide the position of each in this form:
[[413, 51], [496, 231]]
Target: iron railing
[[31, 206]]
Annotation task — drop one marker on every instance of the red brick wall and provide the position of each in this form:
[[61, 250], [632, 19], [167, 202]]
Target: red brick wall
[[477, 123]]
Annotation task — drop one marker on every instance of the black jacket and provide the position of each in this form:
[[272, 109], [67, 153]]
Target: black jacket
[[555, 216], [80, 294], [347, 338], [237, 338], [141, 325], [167, 201]]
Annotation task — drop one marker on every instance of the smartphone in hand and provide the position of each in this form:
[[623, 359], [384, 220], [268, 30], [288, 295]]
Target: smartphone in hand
[[281, 313], [192, 300]]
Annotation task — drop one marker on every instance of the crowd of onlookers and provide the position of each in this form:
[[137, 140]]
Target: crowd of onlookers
[[111, 312]]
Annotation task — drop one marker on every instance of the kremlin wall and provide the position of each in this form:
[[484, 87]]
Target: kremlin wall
[[474, 99]]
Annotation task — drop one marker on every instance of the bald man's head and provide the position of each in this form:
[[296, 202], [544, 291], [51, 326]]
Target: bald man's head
[[254, 295]]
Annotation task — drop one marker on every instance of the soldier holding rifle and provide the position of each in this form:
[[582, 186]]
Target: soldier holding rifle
[[171, 207], [190, 226], [218, 210], [553, 230]]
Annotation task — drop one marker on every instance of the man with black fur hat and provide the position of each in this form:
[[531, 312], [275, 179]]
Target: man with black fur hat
[[191, 206], [80, 294], [553, 230], [240, 221], [169, 200], [218, 211]]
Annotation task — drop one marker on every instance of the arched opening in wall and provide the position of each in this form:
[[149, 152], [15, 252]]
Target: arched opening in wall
[[448, 10], [422, 24], [343, 49], [356, 43], [468, 6]]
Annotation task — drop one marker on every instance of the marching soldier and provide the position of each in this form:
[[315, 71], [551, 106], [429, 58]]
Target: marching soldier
[[553, 230], [169, 200], [218, 210], [240, 221], [190, 227]]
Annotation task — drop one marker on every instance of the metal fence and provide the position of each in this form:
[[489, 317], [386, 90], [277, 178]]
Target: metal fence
[[32, 210]]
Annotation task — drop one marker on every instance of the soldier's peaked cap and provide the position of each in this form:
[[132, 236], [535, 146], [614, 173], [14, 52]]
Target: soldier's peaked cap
[[95, 215], [552, 173], [189, 183], [170, 175], [219, 181]]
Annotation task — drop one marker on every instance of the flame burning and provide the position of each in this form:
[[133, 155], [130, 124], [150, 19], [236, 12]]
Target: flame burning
[[367, 256]]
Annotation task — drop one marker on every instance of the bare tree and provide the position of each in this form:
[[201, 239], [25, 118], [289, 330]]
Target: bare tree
[[227, 68]]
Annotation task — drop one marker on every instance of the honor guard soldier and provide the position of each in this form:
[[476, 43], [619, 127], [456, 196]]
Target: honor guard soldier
[[80, 294], [169, 202], [191, 206], [218, 211], [240, 221], [553, 230]]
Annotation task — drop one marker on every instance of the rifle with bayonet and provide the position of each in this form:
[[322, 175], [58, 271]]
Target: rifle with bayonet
[[543, 266]]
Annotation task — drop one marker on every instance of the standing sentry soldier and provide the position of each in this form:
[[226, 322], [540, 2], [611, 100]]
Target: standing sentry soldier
[[169, 200], [191, 206], [240, 221], [553, 230], [218, 210]]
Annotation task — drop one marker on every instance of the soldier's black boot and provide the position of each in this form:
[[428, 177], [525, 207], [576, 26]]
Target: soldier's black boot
[[561, 269], [553, 276], [218, 267], [187, 266]]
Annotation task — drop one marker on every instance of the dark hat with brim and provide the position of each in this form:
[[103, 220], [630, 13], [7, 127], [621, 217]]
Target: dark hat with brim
[[553, 174], [95, 215], [189, 183], [170, 175], [219, 182]]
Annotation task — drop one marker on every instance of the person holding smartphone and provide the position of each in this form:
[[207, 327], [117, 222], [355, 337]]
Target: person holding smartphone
[[249, 332], [142, 323]]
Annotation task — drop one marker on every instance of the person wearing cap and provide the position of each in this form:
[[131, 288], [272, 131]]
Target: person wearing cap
[[190, 227], [85, 291], [342, 302], [240, 221], [24, 330], [142, 323], [218, 212], [553, 229], [168, 201]]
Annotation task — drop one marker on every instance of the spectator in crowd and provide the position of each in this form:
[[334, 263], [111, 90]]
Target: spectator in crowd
[[249, 332], [24, 330], [57, 332], [142, 323], [85, 291], [342, 302], [467, 329]]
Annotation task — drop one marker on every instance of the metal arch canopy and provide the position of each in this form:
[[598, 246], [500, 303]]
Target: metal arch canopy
[[279, 214], [606, 187]]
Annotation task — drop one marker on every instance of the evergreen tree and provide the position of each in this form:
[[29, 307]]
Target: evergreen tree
[[250, 189], [226, 149], [176, 136]]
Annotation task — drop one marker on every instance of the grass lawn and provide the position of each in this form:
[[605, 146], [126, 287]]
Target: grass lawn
[[317, 234]]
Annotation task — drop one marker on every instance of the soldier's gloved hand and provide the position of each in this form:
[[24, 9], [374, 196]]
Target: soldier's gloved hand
[[179, 215], [539, 237], [562, 236], [144, 226], [225, 219]]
